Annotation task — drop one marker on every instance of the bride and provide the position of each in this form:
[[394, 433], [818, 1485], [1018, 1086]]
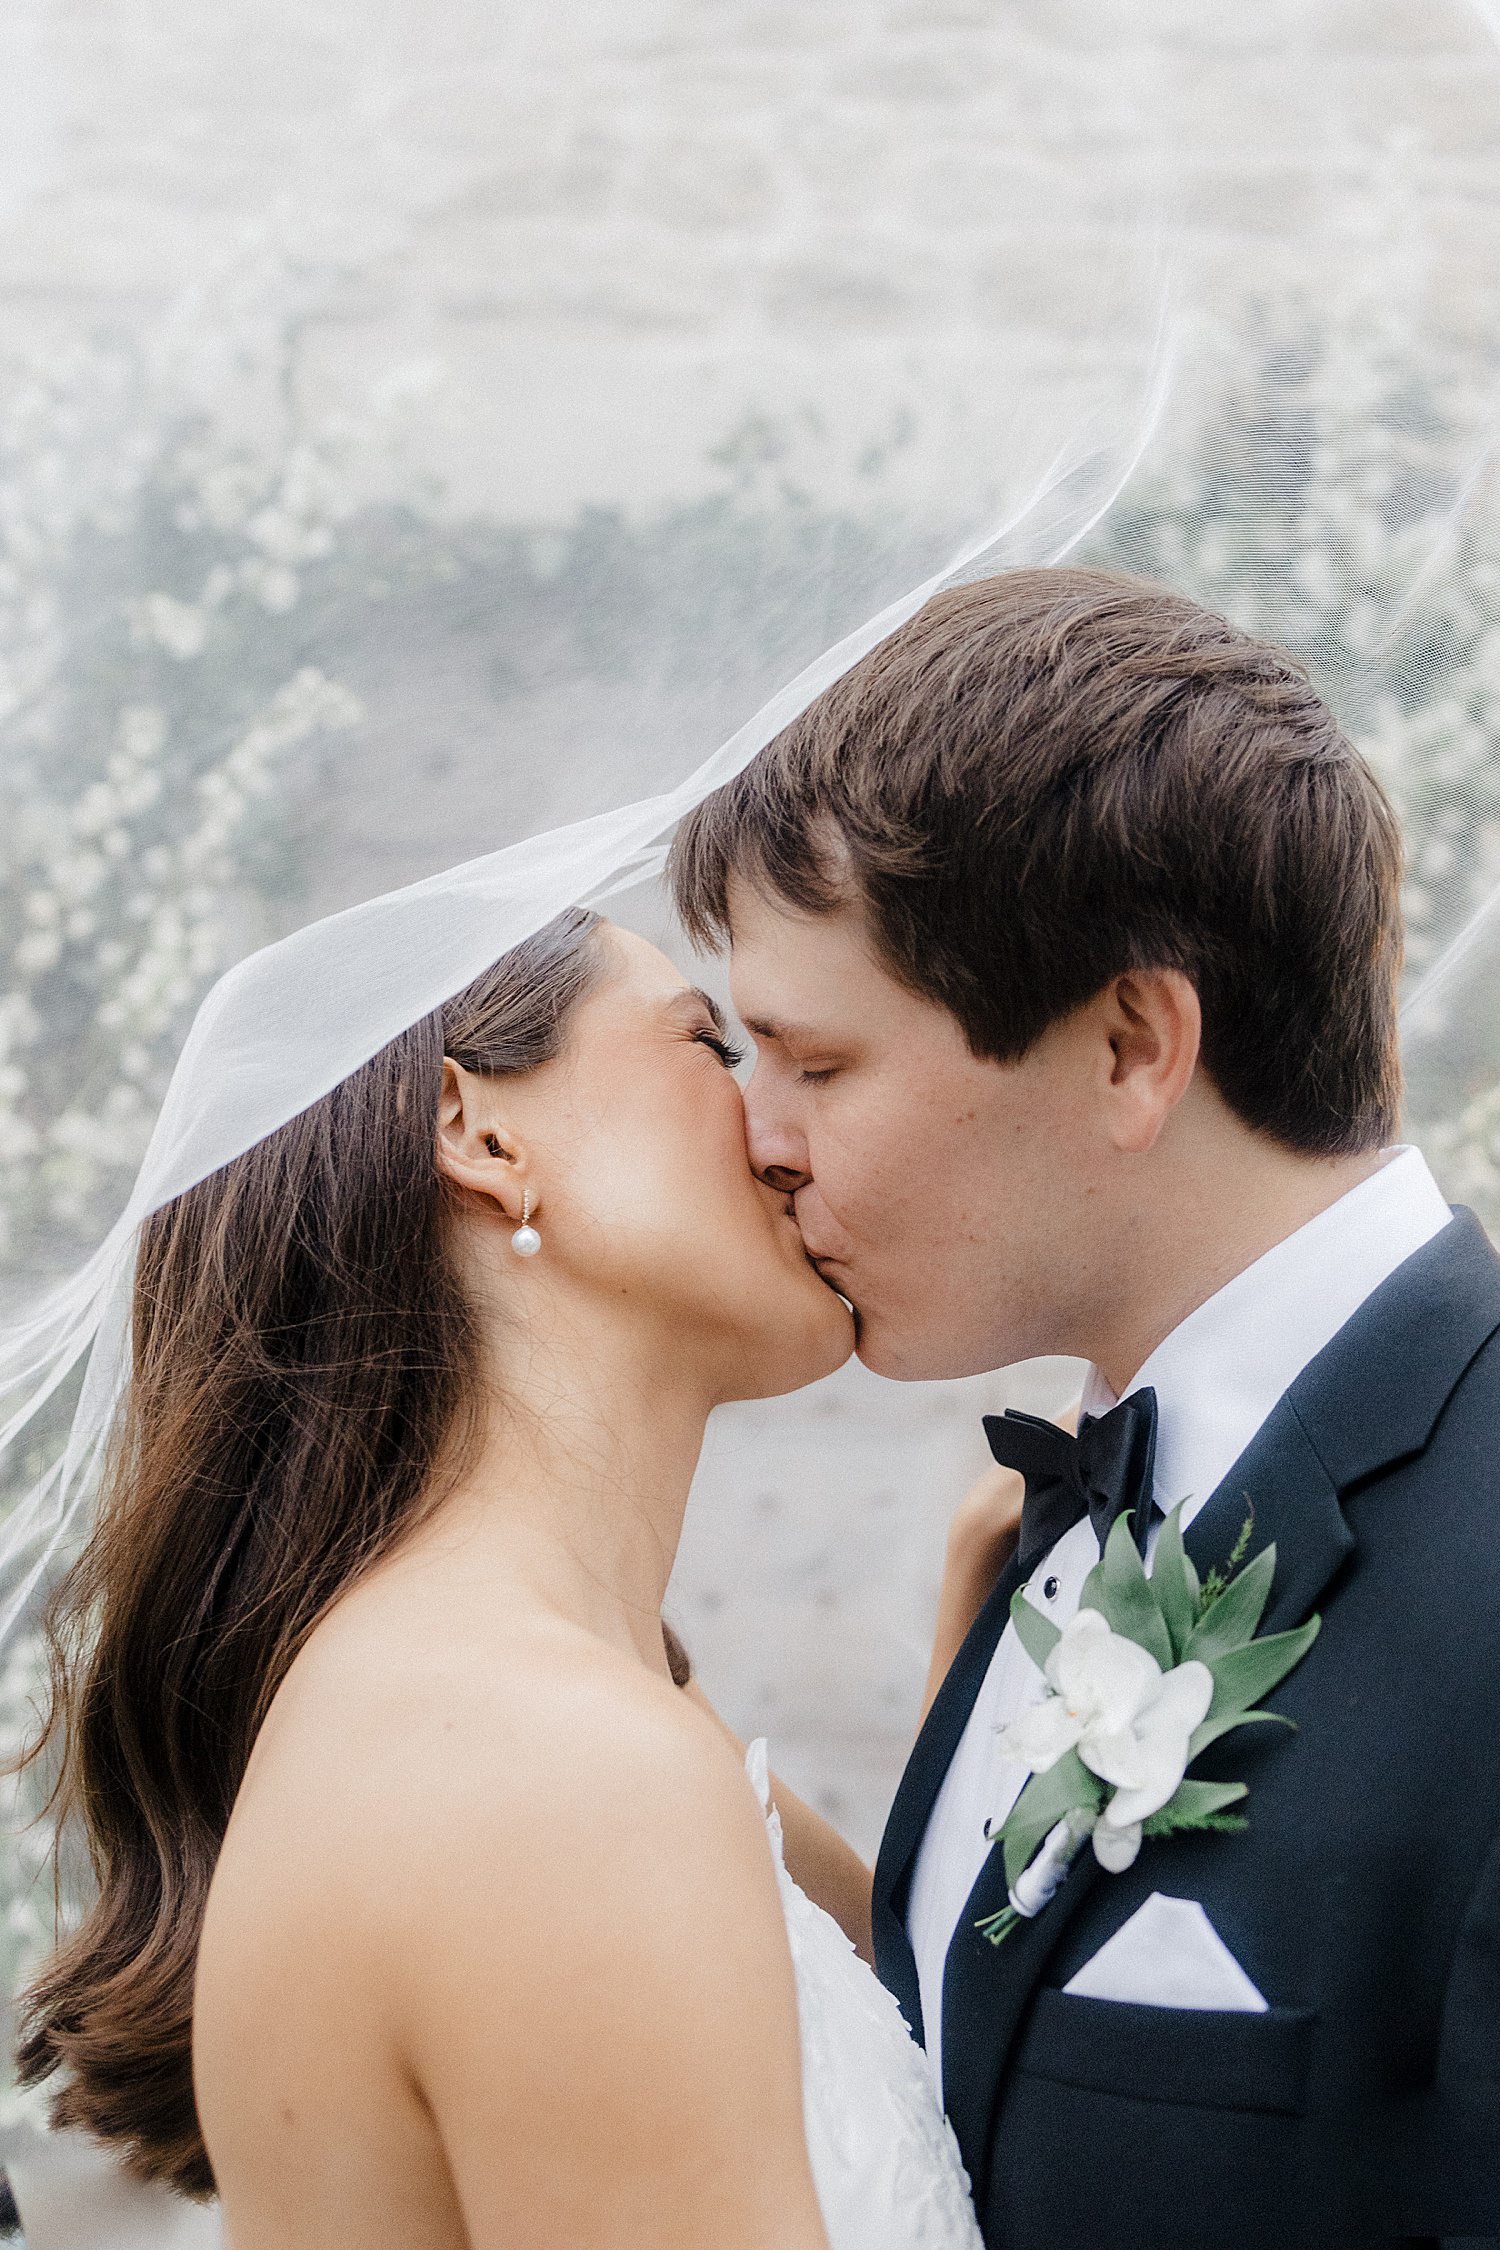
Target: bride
[[435, 1905]]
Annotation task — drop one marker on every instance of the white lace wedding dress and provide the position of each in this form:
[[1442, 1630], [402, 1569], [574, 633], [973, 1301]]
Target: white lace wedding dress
[[884, 2158]]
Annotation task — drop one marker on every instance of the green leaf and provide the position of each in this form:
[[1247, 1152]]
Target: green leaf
[[1036, 1634], [1194, 1804], [1175, 1583], [1066, 1787], [1244, 1675], [1231, 1621], [1092, 1594], [1125, 1596], [1211, 1729]]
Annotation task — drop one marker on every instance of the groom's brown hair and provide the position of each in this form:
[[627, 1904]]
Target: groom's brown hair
[[1050, 777]]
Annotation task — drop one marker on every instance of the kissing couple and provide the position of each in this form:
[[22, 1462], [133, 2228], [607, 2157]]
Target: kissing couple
[[436, 1909]]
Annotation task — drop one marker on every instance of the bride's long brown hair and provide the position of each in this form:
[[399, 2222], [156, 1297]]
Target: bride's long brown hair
[[302, 1360]]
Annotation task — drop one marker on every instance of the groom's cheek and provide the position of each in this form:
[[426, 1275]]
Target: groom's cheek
[[862, 1188]]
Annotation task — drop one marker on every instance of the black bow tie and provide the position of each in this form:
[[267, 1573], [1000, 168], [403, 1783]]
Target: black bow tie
[[1099, 1474]]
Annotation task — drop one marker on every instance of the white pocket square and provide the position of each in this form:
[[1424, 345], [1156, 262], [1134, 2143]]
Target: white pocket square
[[1168, 1955]]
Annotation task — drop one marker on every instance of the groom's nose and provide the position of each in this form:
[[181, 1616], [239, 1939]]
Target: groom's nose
[[778, 1153], [783, 1177]]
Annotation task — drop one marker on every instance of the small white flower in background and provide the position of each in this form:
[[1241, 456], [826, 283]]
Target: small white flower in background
[[1130, 1722], [176, 626]]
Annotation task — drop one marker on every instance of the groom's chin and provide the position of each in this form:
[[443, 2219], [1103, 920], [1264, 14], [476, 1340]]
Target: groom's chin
[[885, 1351], [906, 1348], [904, 1355]]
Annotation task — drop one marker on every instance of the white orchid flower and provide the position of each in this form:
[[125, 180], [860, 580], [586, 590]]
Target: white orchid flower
[[1130, 1722]]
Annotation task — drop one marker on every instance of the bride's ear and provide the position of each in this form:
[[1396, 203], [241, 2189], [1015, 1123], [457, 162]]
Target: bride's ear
[[476, 1149]]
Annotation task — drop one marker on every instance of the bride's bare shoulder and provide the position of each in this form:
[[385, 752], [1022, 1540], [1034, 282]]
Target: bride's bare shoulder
[[548, 1875], [537, 1738], [541, 1873]]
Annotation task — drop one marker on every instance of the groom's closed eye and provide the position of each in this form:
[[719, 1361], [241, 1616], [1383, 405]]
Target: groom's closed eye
[[798, 1045]]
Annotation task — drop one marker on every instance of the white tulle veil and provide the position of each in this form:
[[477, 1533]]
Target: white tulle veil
[[1265, 375], [286, 1024]]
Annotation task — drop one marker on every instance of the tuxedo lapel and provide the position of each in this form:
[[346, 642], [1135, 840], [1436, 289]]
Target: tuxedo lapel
[[1282, 1486], [917, 1793], [1370, 1398], [1374, 1395]]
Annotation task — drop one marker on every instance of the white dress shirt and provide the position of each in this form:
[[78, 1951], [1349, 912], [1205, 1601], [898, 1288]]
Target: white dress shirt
[[1216, 1378]]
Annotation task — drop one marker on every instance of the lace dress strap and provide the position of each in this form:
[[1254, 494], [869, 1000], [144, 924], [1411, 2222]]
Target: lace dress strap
[[886, 2165], [758, 1767]]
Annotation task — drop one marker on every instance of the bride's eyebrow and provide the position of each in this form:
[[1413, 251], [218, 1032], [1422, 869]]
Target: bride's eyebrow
[[691, 997]]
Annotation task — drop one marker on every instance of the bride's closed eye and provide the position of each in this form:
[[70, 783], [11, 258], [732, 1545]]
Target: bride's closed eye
[[729, 1055]]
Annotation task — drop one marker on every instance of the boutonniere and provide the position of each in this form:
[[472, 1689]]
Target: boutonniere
[[1148, 1674]]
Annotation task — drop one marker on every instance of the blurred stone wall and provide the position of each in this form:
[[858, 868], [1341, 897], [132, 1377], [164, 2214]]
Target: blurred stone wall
[[808, 1574], [690, 212]]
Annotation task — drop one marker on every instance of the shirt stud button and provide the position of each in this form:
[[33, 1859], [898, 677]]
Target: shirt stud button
[[1051, 1588]]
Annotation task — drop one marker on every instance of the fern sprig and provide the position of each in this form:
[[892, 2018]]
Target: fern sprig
[[1218, 1578]]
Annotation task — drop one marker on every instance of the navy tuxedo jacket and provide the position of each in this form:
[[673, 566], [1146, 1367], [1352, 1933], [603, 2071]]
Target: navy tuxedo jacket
[[1364, 1897]]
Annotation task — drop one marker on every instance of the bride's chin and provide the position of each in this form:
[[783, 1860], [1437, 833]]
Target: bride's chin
[[798, 1341], [789, 1334], [832, 1336]]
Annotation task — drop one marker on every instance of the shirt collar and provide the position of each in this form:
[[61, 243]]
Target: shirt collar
[[1220, 1372]]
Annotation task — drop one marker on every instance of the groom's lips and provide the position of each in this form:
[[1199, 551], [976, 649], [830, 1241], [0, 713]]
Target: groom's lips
[[824, 1270], [824, 1264], [822, 1267]]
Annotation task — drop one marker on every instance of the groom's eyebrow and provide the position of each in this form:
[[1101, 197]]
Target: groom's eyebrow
[[772, 1027]]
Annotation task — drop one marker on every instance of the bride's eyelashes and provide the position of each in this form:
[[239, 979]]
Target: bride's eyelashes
[[729, 1055]]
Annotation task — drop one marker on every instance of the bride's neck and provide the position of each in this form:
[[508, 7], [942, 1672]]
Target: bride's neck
[[577, 1482]]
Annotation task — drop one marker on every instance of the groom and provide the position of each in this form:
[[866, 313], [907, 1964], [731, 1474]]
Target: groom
[[1067, 927]]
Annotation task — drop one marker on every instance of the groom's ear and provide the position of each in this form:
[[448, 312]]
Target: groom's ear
[[1153, 1023]]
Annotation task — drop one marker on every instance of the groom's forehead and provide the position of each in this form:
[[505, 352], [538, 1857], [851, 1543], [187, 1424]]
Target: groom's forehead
[[766, 929], [793, 973]]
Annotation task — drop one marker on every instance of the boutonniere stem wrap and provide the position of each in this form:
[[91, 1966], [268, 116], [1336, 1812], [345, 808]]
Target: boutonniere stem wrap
[[1151, 1670]]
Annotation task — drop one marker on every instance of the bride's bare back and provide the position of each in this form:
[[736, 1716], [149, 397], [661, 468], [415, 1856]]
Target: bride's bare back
[[494, 1953]]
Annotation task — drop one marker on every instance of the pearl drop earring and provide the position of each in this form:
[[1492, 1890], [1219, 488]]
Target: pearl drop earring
[[526, 1241]]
